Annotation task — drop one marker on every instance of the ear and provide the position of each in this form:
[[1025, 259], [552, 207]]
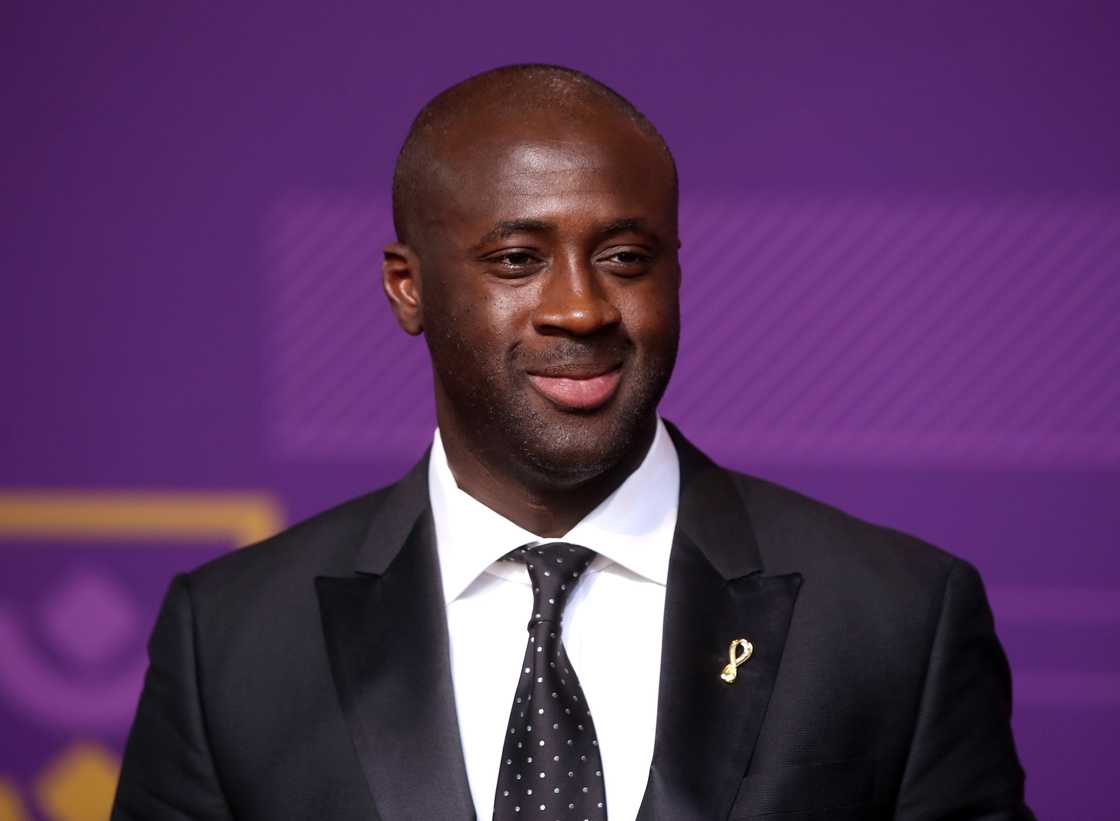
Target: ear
[[400, 277]]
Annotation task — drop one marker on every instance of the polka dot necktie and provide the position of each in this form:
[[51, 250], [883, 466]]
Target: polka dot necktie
[[550, 767]]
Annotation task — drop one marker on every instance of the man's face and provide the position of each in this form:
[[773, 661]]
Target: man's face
[[550, 293]]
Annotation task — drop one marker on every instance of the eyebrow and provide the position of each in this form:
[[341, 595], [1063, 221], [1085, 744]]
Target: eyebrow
[[508, 228], [630, 224]]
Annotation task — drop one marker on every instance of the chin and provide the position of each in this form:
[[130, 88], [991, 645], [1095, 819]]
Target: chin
[[574, 449]]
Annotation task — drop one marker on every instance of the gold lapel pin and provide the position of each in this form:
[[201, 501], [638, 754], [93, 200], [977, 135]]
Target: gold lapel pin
[[739, 651]]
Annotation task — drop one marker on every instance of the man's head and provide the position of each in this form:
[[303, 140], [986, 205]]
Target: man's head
[[536, 217]]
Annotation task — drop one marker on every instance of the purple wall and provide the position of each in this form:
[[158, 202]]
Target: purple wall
[[902, 295]]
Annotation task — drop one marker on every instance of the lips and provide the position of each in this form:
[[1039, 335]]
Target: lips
[[577, 391]]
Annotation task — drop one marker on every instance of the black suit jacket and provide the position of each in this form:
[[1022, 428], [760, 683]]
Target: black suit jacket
[[308, 676]]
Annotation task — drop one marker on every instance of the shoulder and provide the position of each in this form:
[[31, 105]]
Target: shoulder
[[843, 554], [258, 606], [868, 590], [324, 544]]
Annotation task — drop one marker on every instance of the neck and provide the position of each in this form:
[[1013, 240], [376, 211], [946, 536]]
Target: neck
[[548, 506]]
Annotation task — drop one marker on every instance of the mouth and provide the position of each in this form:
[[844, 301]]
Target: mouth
[[577, 389]]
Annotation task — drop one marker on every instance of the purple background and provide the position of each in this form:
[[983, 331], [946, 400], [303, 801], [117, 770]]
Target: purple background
[[902, 295]]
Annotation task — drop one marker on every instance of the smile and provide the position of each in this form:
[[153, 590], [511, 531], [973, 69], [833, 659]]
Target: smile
[[578, 392]]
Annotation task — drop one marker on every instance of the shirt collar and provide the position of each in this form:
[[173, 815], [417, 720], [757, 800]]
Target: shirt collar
[[632, 527]]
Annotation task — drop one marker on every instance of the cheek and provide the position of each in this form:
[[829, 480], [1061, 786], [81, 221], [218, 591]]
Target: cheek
[[653, 319], [472, 330], [505, 311]]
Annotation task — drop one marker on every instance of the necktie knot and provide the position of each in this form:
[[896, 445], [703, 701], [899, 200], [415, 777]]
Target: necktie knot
[[554, 569]]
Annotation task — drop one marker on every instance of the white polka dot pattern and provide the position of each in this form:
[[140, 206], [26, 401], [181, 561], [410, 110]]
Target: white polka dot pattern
[[551, 769]]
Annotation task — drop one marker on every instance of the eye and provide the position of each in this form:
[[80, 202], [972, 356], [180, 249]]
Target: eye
[[513, 262], [516, 259], [626, 261]]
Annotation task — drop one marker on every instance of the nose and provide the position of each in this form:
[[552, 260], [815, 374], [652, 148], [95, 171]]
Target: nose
[[574, 301]]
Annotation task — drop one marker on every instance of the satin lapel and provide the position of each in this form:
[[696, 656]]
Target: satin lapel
[[386, 637], [716, 593]]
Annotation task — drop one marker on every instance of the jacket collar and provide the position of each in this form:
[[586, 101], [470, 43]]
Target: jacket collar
[[717, 594], [385, 631], [386, 637], [394, 520], [713, 514]]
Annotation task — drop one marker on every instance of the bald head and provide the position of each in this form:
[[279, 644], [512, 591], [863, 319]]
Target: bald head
[[502, 100]]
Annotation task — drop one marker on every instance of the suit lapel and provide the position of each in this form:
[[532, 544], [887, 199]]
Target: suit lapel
[[386, 638], [716, 593]]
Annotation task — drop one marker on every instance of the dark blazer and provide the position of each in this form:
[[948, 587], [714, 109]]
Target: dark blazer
[[307, 677]]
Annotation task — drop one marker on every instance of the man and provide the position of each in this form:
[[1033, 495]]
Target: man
[[701, 644]]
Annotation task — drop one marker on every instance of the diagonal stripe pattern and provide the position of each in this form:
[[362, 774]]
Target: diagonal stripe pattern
[[965, 330]]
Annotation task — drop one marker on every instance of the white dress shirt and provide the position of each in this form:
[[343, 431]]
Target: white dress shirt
[[611, 625]]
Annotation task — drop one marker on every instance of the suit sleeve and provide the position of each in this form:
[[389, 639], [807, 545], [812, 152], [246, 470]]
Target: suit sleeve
[[168, 772], [962, 762]]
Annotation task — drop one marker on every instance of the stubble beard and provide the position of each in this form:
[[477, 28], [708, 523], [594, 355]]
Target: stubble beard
[[557, 449]]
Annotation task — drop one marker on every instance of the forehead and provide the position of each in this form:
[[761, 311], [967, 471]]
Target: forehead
[[550, 169]]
